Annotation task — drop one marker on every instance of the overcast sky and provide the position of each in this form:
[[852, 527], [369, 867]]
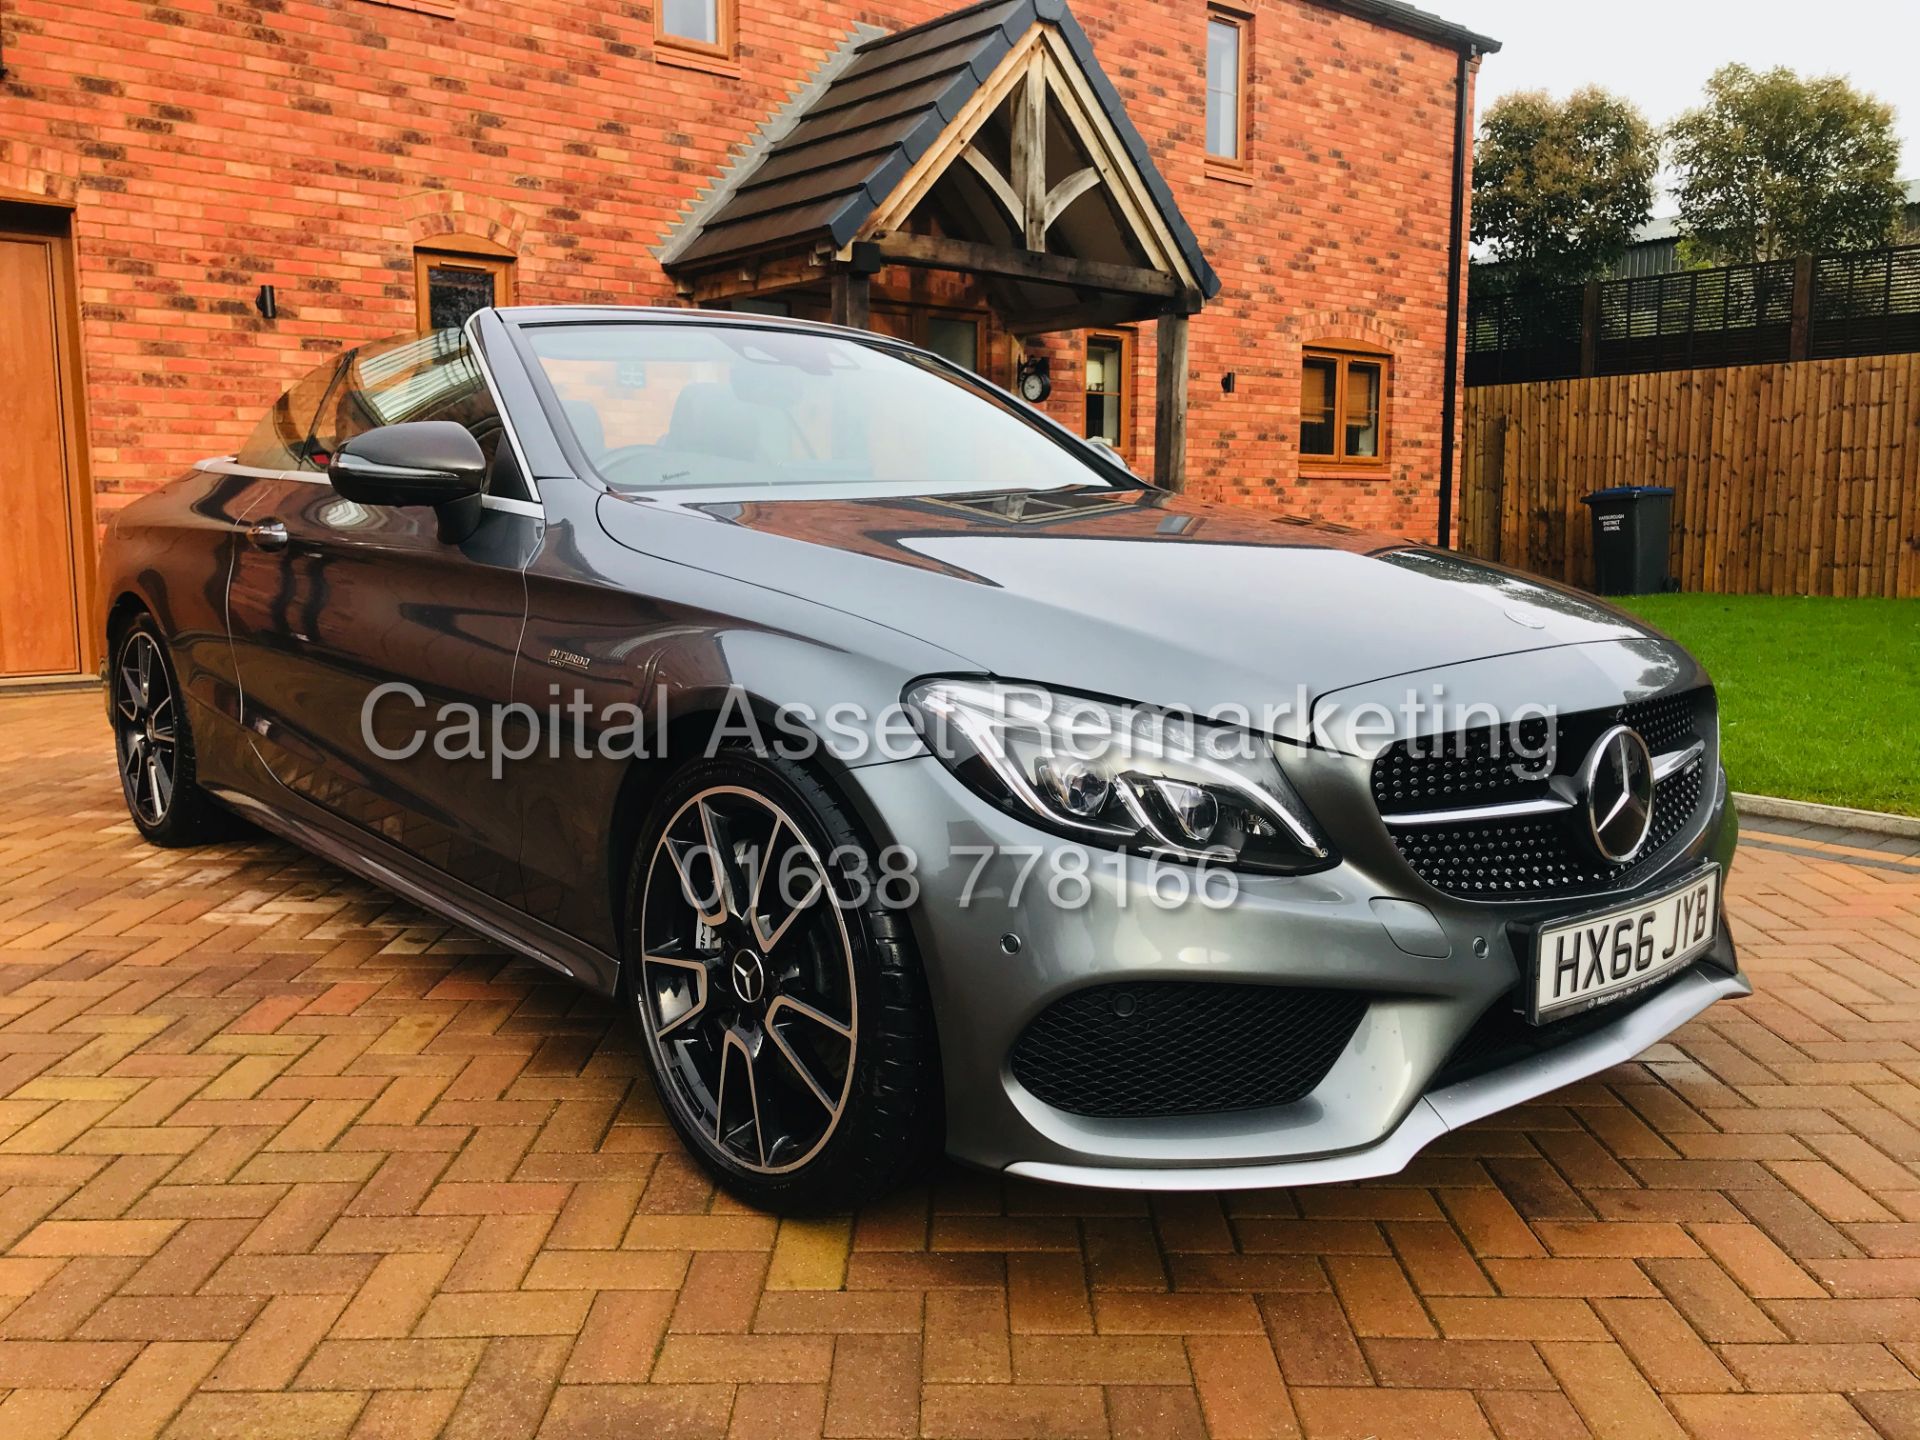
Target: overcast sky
[[1659, 53]]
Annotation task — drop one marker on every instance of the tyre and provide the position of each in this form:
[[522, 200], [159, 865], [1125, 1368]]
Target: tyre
[[153, 743], [780, 998]]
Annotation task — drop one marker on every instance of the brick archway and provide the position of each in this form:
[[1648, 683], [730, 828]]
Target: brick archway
[[433, 214], [1345, 327], [38, 172]]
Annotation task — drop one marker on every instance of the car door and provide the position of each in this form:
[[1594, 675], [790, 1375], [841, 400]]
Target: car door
[[372, 655]]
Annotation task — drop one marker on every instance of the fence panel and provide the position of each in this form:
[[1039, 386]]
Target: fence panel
[[1824, 307], [1796, 479]]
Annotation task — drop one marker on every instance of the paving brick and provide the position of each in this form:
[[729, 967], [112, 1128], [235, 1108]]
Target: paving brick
[[736, 1358], [1013, 1412], [620, 1338], [1457, 1364], [161, 1379], [1816, 1368], [672, 1412], [1612, 1396], [1669, 1352], [777, 1412], [278, 1342], [966, 1337], [1389, 1414], [874, 1389], [1242, 1393], [1314, 1340], [209, 1416], [1741, 1417]]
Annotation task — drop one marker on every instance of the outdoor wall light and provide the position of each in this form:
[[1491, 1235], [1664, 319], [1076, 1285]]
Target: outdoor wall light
[[265, 304], [1227, 383]]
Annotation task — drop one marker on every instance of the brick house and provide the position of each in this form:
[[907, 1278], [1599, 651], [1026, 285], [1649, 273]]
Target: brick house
[[201, 199]]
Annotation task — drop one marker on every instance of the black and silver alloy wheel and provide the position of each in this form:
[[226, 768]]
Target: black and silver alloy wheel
[[781, 1005], [747, 979], [145, 716], [153, 742]]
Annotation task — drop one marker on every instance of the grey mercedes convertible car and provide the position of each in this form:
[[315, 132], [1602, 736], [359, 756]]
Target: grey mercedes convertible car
[[915, 775]]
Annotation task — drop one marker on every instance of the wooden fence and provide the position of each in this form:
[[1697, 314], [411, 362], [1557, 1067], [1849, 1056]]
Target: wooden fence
[[1818, 307], [1790, 479]]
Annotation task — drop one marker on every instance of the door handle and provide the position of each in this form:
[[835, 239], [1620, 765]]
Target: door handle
[[268, 535]]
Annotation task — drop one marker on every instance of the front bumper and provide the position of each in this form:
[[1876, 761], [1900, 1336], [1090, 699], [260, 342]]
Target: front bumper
[[999, 947]]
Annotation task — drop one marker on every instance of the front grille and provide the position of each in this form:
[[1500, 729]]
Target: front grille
[[1536, 855], [1180, 1047]]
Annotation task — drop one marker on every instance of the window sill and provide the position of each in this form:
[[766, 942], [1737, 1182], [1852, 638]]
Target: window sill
[[1230, 171], [439, 9], [1367, 470], [665, 52]]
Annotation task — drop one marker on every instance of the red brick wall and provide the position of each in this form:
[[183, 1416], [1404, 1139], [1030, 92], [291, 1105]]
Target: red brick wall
[[212, 146]]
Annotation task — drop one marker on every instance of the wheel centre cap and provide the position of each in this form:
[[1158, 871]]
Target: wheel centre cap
[[749, 976]]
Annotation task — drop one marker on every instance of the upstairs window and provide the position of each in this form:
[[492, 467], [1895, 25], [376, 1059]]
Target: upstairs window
[[1343, 406], [1226, 85], [704, 27]]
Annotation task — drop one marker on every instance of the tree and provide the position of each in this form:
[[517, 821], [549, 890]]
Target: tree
[[1773, 165], [1560, 187]]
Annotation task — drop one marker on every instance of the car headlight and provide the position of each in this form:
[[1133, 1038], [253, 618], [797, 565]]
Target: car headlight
[[1133, 778]]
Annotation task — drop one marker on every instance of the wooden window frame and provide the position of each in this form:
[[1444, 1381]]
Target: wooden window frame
[[1235, 166], [720, 56], [1125, 340], [1343, 357], [460, 252]]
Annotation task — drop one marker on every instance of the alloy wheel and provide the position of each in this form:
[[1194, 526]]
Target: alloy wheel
[[145, 720], [746, 987]]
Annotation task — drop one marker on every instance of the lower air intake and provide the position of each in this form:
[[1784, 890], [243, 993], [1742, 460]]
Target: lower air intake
[[1159, 1048]]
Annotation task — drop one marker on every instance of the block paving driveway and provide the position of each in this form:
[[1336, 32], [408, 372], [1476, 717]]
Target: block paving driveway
[[280, 1156]]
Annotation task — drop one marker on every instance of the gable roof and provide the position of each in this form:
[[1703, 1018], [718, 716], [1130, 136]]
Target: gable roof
[[844, 149]]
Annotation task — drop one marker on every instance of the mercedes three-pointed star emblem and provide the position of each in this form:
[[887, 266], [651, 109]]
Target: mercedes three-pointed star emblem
[[1617, 781]]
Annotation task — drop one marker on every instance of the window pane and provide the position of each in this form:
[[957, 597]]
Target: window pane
[[1223, 89], [751, 305], [955, 340], [279, 441], [455, 293], [1103, 418], [1363, 410], [691, 20], [1317, 386], [1104, 382], [424, 377]]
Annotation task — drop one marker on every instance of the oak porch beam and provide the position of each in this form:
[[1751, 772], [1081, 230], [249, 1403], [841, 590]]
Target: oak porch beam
[[939, 253]]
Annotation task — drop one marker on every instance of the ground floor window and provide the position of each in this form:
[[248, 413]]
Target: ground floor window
[[1343, 403], [1109, 371], [451, 284], [956, 339]]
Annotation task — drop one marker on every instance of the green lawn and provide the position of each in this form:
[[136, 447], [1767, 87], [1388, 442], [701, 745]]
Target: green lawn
[[1819, 698]]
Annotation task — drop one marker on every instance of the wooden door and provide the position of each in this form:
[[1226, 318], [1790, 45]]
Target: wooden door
[[41, 567]]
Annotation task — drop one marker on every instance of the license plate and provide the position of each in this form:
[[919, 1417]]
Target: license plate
[[1600, 957]]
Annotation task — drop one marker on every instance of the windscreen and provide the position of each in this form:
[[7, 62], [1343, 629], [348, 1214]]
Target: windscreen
[[679, 406]]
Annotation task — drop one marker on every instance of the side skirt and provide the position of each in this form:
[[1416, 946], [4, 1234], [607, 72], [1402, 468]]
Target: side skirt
[[386, 865]]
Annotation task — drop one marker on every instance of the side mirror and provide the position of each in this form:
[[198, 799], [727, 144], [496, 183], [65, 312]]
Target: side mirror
[[420, 462]]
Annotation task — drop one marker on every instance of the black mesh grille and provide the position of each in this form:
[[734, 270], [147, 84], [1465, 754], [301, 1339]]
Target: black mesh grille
[[1503, 1036], [1544, 856], [1184, 1047]]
